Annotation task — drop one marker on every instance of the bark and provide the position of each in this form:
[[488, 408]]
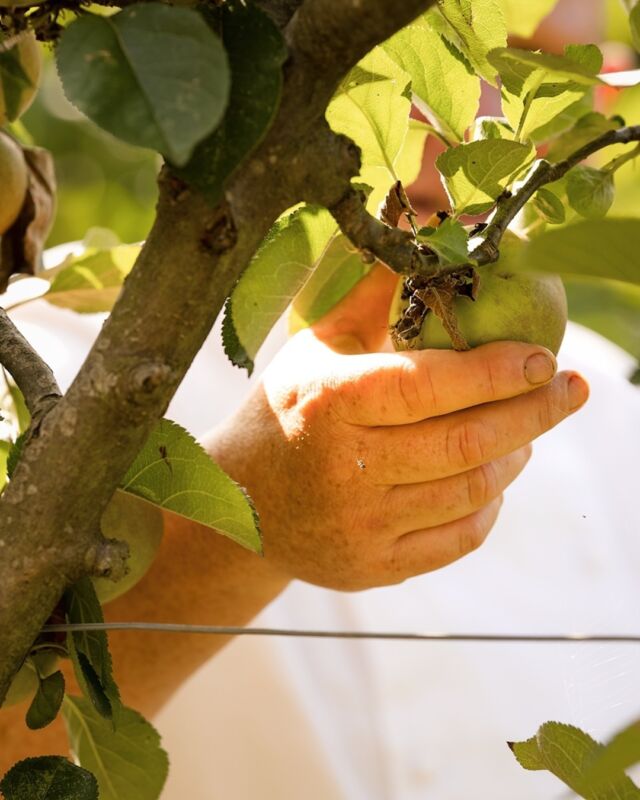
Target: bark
[[50, 512]]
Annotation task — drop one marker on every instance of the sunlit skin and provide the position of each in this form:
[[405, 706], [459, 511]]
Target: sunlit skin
[[367, 467], [388, 465]]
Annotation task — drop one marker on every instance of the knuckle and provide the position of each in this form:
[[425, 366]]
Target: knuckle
[[491, 377], [548, 414], [468, 443], [409, 390], [471, 535], [482, 485]]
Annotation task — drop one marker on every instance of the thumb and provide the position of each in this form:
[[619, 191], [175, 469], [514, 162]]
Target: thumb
[[359, 323]]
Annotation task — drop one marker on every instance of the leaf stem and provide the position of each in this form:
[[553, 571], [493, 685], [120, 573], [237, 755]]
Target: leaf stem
[[615, 164]]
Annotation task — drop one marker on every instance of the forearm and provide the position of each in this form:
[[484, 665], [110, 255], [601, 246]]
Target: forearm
[[198, 577]]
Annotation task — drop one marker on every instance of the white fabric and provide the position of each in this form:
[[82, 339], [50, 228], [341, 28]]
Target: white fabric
[[273, 719]]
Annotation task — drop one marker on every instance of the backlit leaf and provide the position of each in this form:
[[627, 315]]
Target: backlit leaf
[[477, 26], [91, 282], [449, 240], [337, 273], [285, 261], [374, 113], [538, 87], [435, 66], [475, 174], [173, 471]]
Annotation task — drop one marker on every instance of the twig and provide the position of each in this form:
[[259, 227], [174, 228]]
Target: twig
[[488, 251], [400, 252], [394, 246], [225, 630], [33, 377]]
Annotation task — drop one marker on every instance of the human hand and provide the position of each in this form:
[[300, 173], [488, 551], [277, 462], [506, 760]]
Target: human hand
[[370, 467]]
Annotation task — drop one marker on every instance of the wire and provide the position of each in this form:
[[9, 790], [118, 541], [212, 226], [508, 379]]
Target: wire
[[224, 630]]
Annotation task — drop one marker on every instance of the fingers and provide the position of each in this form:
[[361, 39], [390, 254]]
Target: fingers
[[425, 550], [360, 321], [427, 505], [400, 388], [449, 445]]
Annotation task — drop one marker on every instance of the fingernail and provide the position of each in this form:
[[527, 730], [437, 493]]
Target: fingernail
[[539, 368], [578, 391]]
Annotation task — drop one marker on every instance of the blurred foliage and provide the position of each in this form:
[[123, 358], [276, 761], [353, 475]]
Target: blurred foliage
[[101, 181]]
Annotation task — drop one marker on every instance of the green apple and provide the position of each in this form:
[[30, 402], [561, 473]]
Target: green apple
[[138, 523], [13, 181], [28, 58], [510, 305]]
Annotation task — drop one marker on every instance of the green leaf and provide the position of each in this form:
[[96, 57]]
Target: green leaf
[[565, 119], [586, 129], [477, 173], [611, 308], [477, 26], [622, 752], [128, 763], [449, 240], [22, 415], [579, 64], [47, 701], [138, 523], [89, 650], [567, 752], [173, 471], [14, 81], [48, 778], [256, 86], [549, 206], [5, 449], [153, 75], [285, 261], [336, 274], [590, 191], [492, 128], [538, 87], [523, 18], [92, 282], [374, 113], [14, 454], [634, 22], [435, 66], [528, 754], [588, 56], [604, 248]]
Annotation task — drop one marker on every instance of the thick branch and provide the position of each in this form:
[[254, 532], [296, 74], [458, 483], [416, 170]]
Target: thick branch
[[188, 266], [33, 377], [545, 172]]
